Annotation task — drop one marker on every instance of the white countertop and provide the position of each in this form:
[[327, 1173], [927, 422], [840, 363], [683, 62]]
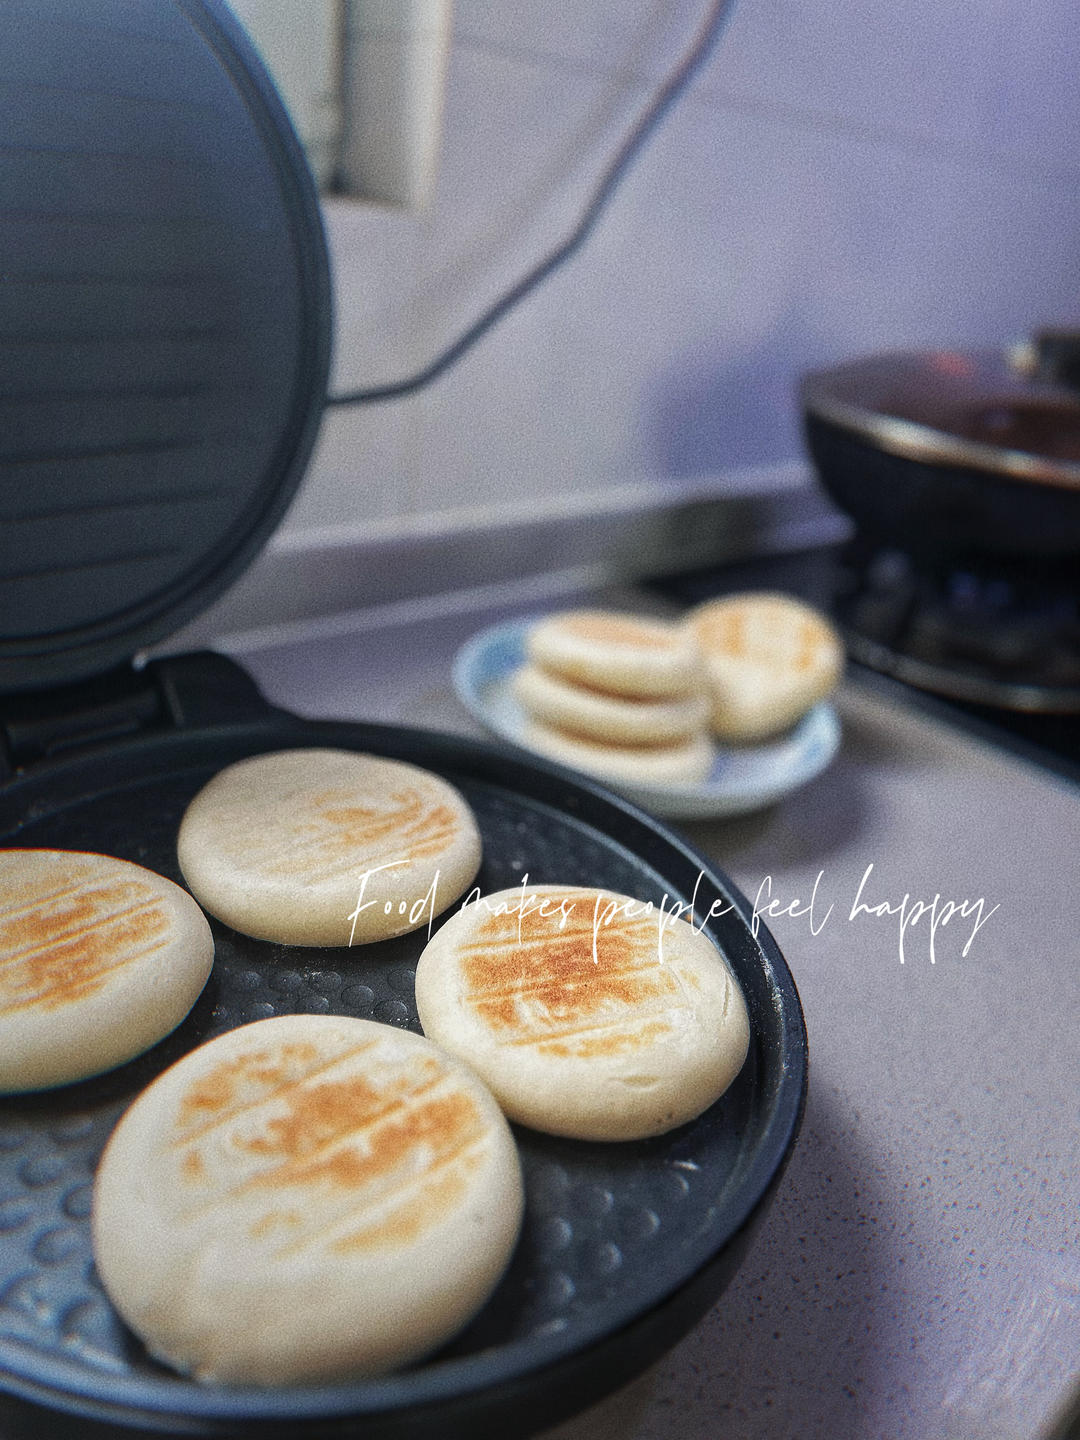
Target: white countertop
[[918, 1274]]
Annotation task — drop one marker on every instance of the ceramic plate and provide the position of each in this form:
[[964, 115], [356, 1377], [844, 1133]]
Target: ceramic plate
[[742, 779]]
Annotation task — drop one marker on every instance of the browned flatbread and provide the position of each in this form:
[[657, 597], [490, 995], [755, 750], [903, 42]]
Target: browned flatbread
[[99, 960], [306, 1198], [607, 719], [768, 658], [586, 1013], [683, 762], [327, 847], [617, 653]]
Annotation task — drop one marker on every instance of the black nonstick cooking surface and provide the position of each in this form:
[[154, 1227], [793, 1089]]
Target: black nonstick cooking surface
[[623, 1246]]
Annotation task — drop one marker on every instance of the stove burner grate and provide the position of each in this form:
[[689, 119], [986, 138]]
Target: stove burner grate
[[996, 636]]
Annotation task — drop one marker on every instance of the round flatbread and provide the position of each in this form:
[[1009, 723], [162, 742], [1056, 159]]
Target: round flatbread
[[684, 762], [768, 658], [588, 1014], [327, 847], [617, 653], [99, 960], [608, 719], [306, 1198]]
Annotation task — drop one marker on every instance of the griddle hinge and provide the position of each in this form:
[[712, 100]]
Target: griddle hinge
[[178, 691]]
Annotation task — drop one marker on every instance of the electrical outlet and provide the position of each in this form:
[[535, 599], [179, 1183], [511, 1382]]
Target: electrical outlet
[[393, 73], [301, 47]]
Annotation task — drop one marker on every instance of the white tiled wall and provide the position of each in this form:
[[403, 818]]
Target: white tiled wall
[[847, 176]]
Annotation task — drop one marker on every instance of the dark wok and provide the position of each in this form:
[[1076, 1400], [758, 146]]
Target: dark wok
[[951, 453]]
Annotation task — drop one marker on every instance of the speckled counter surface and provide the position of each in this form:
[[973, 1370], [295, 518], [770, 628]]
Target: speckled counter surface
[[919, 1272]]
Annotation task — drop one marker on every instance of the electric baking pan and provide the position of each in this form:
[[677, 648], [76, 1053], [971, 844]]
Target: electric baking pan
[[624, 1246], [164, 349]]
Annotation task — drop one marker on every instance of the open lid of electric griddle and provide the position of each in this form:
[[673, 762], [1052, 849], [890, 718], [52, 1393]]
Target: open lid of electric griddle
[[164, 324]]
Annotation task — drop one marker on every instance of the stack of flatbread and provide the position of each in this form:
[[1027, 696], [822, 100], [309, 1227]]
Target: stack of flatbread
[[616, 695]]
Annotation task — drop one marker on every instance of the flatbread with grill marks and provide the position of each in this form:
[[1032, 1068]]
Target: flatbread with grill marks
[[768, 658], [607, 719], [617, 653], [327, 847], [588, 1014], [306, 1198], [99, 960], [682, 762]]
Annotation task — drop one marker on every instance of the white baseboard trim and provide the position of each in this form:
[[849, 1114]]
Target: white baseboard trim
[[309, 579]]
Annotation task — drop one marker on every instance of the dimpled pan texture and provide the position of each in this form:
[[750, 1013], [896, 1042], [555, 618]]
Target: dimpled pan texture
[[622, 1247]]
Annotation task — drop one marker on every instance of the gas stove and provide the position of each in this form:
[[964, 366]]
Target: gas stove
[[993, 648]]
